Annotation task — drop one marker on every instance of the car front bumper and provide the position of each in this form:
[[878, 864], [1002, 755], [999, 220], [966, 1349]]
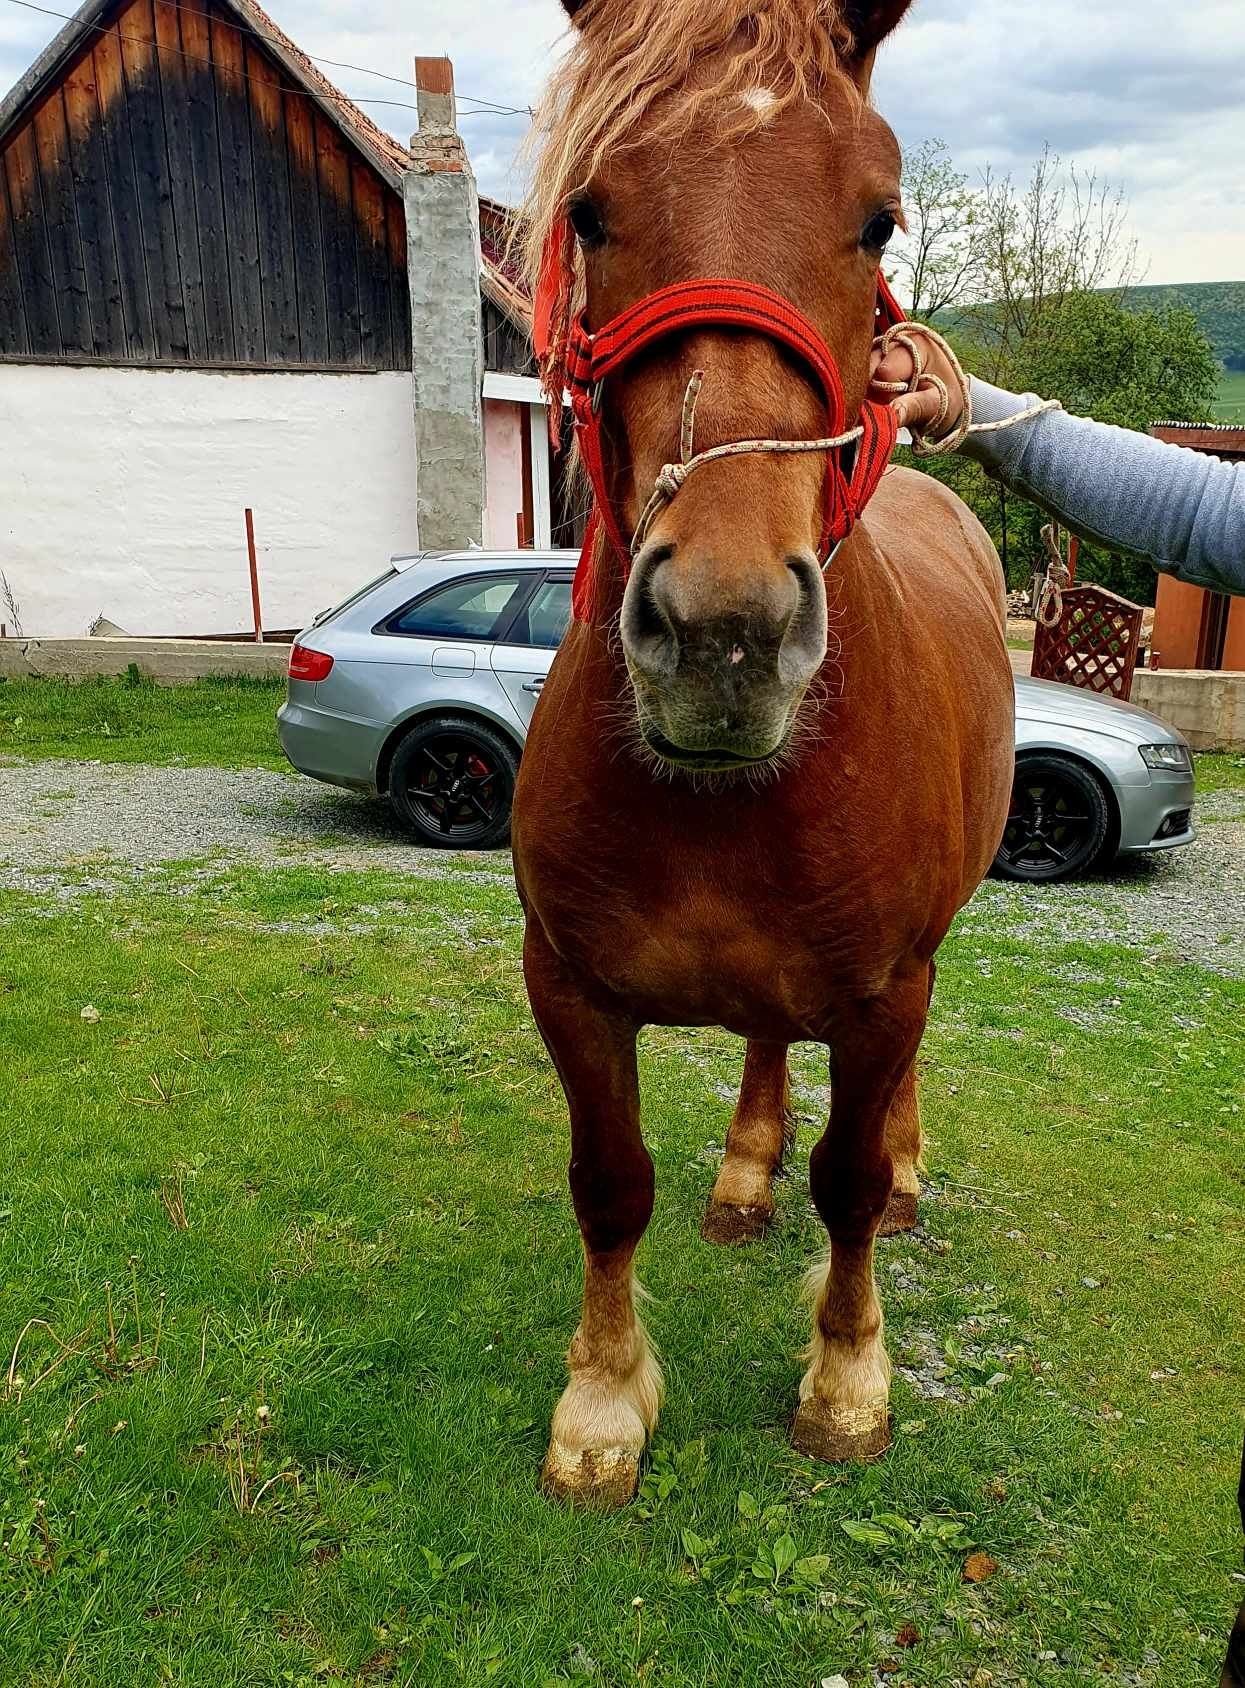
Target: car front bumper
[[1158, 815]]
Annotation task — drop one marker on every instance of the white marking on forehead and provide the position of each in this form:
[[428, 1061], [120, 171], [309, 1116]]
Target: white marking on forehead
[[761, 100]]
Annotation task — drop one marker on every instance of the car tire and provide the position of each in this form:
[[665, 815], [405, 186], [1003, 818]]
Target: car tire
[[1059, 822], [451, 784]]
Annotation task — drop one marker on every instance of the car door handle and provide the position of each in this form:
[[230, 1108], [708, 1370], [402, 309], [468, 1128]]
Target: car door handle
[[533, 686]]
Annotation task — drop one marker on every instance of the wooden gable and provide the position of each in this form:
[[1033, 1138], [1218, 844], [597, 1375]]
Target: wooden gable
[[172, 195]]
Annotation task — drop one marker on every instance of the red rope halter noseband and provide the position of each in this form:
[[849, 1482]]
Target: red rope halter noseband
[[584, 361]]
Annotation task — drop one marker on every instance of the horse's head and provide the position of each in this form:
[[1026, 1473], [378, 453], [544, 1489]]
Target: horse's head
[[727, 139]]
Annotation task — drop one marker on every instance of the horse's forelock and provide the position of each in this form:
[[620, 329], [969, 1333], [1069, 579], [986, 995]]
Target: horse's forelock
[[628, 58]]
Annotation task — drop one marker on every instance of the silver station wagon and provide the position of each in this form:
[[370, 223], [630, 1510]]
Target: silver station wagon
[[421, 687]]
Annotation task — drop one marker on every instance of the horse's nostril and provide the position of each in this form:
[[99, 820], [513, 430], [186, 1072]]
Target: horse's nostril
[[648, 633], [804, 643]]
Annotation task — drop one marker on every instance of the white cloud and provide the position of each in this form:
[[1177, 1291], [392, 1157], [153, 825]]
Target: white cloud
[[1150, 93]]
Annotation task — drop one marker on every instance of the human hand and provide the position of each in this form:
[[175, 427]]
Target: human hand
[[921, 410]]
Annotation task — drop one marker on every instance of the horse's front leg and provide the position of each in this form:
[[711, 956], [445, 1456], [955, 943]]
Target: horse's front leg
[[843, 1412], [742, 1203], [611, 1402]]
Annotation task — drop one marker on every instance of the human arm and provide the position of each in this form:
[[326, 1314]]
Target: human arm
[[1182, 510]]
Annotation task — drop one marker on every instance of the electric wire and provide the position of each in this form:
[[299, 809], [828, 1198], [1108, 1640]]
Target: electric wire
[[484, 108]]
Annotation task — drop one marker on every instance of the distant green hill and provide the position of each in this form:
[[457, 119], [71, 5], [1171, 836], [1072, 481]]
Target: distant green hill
[[1219, 307], [1231, 403]]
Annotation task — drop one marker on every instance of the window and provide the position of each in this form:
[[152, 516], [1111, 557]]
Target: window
[[465, 609], [546, 618]]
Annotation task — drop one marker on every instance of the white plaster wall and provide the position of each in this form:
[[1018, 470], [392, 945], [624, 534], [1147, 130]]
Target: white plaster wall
[[122, 493], [503, 471]]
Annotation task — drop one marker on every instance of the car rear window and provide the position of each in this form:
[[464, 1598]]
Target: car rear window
[[474, 608]]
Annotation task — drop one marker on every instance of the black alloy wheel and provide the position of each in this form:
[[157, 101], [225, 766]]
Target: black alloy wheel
[[451, 784], [1058, 823]]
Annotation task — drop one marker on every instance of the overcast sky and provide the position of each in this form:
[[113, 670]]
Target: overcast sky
[[1150, 93]]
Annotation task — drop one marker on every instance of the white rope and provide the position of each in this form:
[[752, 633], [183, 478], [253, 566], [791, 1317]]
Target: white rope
[[1058, 579], [674, 476]]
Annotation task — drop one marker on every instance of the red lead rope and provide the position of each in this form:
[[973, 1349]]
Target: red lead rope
[[579, 361]]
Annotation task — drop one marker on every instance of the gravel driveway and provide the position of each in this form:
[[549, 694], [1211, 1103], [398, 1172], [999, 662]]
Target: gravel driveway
[[102, 820]]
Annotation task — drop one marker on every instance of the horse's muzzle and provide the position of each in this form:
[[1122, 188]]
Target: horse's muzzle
[[720, 657]]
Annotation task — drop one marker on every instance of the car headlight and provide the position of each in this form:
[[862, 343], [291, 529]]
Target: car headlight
[[1171, 758]]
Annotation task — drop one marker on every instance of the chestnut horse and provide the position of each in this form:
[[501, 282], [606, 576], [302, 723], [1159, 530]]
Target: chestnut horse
[[755, 794]]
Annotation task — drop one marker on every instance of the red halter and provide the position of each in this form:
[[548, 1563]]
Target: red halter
[[588, 359]]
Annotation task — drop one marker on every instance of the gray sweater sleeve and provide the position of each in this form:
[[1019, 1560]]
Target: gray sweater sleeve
[[1181, 509]]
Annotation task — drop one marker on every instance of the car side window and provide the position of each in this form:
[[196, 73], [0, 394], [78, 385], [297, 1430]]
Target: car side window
[[465, 609], [546, 618]]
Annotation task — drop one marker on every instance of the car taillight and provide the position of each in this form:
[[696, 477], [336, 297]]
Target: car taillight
[[307, 664]]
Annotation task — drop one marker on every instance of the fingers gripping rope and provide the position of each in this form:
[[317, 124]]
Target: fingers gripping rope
[[906, 334], [923, 446]]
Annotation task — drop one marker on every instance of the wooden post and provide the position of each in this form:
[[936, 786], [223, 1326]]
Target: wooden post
[[521, 531], [250, 551]]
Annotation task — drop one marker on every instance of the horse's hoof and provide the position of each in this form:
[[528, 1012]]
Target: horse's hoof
[[725, 1223], [900, 1215], [602, 1478], [841, 1433]]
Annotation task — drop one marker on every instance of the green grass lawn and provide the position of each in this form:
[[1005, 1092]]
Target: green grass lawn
[[290, 1216], [218, 723], [1220, 773], [1230, 405], [212, 723]]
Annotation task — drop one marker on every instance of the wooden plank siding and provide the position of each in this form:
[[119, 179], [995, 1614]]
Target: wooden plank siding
[[278, 288], [174, 198], [198, 97], [337, 233], [233, 120], [175, 101], [141, 65], [399, 291], [61, 216], [305, 218], [121, 188], [95, 228], [30, 240], [372, 261], [13, 340]]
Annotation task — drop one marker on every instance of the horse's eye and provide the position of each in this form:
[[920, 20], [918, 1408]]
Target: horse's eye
[[586, 221], [878, 232]]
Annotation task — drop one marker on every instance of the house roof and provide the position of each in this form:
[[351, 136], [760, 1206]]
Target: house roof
[[359, 127], [382, 150]]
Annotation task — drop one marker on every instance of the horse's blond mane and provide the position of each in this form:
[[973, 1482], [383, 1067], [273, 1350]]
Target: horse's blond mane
[[609, 91]]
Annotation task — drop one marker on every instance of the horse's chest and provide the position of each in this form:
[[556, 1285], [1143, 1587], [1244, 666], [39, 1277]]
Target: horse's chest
[[693, 946]]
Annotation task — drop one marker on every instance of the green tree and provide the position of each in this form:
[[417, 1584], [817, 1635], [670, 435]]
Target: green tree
[[938, 263], [1055, 267], [1132, 368]]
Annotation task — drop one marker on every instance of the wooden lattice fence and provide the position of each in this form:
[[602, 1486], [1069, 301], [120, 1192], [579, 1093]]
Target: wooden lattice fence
[[1094, 643]]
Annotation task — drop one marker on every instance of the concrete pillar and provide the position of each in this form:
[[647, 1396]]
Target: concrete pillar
[[443, 267]]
